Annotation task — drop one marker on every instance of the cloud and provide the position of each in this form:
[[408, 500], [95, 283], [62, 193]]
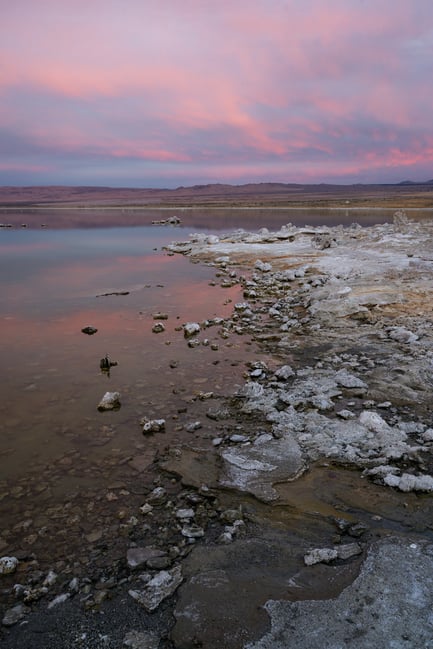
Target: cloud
[[231, 90]]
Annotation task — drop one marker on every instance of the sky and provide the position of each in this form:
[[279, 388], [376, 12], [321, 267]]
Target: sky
[[163, 93]]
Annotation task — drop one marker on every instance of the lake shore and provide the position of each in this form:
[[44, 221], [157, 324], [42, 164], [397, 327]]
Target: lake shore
[[315, 480]]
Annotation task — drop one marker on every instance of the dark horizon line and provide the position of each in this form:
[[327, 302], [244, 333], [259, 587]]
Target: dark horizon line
[[219, 184]]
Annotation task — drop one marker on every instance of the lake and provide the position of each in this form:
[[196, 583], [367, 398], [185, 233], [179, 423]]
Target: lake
[[64, 270]]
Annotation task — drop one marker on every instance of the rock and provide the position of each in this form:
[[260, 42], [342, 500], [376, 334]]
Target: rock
[[172, 220], [157, 496], [15, 614], [241, 307], [185, 513], [342, 524], [192, 531], [348, 550], [373, 422], [106, 364], [218, 414], [89, 330], [345, 414], [239, 439], [408, 482], [161, 586], [158, 328], [193, 426], [402, 335], [191, 329], [427, 435], [141, 640], [153, 426], [160, 316], [256, 467], [349, 381], [323, 241], [60, 599], [110, 401], [74, 585], [320, 555], [50, 579], [8, 565], [284, 373], [263, 267], [357, 530], [204, 396], [138, 557]]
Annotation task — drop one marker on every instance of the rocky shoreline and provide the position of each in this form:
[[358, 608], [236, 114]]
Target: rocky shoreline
[[216, 540]]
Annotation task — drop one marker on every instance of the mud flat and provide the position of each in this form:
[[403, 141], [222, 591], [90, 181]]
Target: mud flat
[[295, 512]]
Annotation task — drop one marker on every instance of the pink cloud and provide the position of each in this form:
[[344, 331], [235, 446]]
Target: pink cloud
[[179, 83]]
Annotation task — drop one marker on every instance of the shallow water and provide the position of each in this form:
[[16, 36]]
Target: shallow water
[[50, 283]]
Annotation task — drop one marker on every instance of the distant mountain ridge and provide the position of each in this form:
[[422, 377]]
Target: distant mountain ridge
[[203, 194]]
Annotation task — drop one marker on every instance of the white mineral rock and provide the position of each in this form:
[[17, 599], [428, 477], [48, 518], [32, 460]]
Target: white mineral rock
[[110, 401], [8, 565], [191, 329]]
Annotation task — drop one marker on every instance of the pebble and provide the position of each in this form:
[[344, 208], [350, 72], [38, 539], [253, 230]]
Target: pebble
[[185, 513], [192, 531], [157, 496], [193, 426], [153, 425], [60, 599], [8, 565], [239, 439]]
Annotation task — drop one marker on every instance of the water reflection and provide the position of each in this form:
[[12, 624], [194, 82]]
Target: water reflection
[[215, 219], [52, 284]]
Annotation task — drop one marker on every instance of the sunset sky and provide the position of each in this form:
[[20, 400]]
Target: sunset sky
[[162, 93]]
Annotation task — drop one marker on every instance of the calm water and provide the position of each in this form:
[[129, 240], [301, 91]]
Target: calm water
[[51, 284]]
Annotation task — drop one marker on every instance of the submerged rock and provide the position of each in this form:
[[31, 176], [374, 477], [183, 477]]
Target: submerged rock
[[158, 328]]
